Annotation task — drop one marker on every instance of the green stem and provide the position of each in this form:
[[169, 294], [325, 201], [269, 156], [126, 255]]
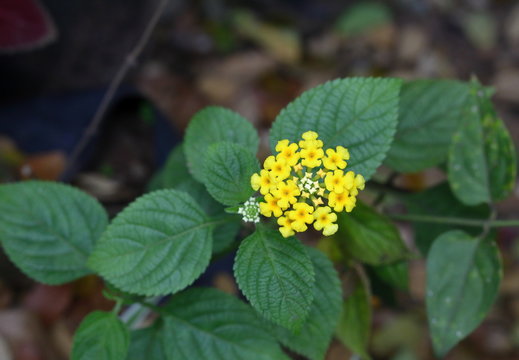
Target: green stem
[[454, 221], [118, 306]]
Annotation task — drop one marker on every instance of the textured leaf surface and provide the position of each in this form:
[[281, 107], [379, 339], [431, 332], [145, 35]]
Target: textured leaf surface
[[463, 275], [317, 331], [209, 324], [101, 336], [358, 113], [228, 168], [159, 244], [176, 176], [439, 201], [355, 322], [276, 275], [396, 275], [148, 343], [430, 111], [213, 125], [482, 160], [49, 229], [370, 236]]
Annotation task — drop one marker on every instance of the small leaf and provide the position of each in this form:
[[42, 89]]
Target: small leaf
[[158, 245], [463, 275], [176, 176], [317, 331], [358, 113], [429, 115], [101, 336], [439, 201], [228, 168], [175, 169], [501, 158], [276, 275], [370, 237], [396, 274], [210, 126], [355, 322], [148, 343], [49, 229], [209, 324], [482, 161], [363, 17]]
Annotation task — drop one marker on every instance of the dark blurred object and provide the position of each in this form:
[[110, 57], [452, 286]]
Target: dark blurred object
[[133, 130], [95, 36], [25, 25]]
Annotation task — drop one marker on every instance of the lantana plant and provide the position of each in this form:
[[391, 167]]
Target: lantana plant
[[303, 186], [212, 199]]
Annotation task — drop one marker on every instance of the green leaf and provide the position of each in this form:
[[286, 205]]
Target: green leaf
[[463, 275], [209, 324], [501, 158], [228, 168], [363, 17], [429, 115], [213, 125], [317, 331], [101, 336], [176, 176], [358, 113], [158, 245], [148, 343], [276, 275], [396, 274], [439, 201], [175, 169], [370, 237], [355, 322], [49, 229], [482, 160]]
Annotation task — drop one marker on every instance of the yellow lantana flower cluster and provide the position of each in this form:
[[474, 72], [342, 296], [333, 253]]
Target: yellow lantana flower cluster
[[304, 185]]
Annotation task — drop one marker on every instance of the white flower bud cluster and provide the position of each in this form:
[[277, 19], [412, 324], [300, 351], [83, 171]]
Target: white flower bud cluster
[[250, 210], [306, 184]]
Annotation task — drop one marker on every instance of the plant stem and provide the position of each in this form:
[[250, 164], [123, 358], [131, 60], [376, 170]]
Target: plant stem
[[454, 221], [118, 306], [129, 62]]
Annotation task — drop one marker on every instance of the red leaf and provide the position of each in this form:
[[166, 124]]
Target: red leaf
[[24, 25]]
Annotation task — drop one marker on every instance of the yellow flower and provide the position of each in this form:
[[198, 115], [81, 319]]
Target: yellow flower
[[298, 167], [343, 152], [301, 215], [270, 206], [286, 226], [288, 152], [334, 159], [358, 184], [264, 182], [278, 167], [349, 180], [321, 173], [310, 140], [305, 184], [312, 156], [336, 181], [310, 135], [341, 201], [317, 201], [324, 220], [286, 192]]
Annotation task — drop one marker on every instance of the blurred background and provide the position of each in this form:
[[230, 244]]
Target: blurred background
[[58, 58]]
